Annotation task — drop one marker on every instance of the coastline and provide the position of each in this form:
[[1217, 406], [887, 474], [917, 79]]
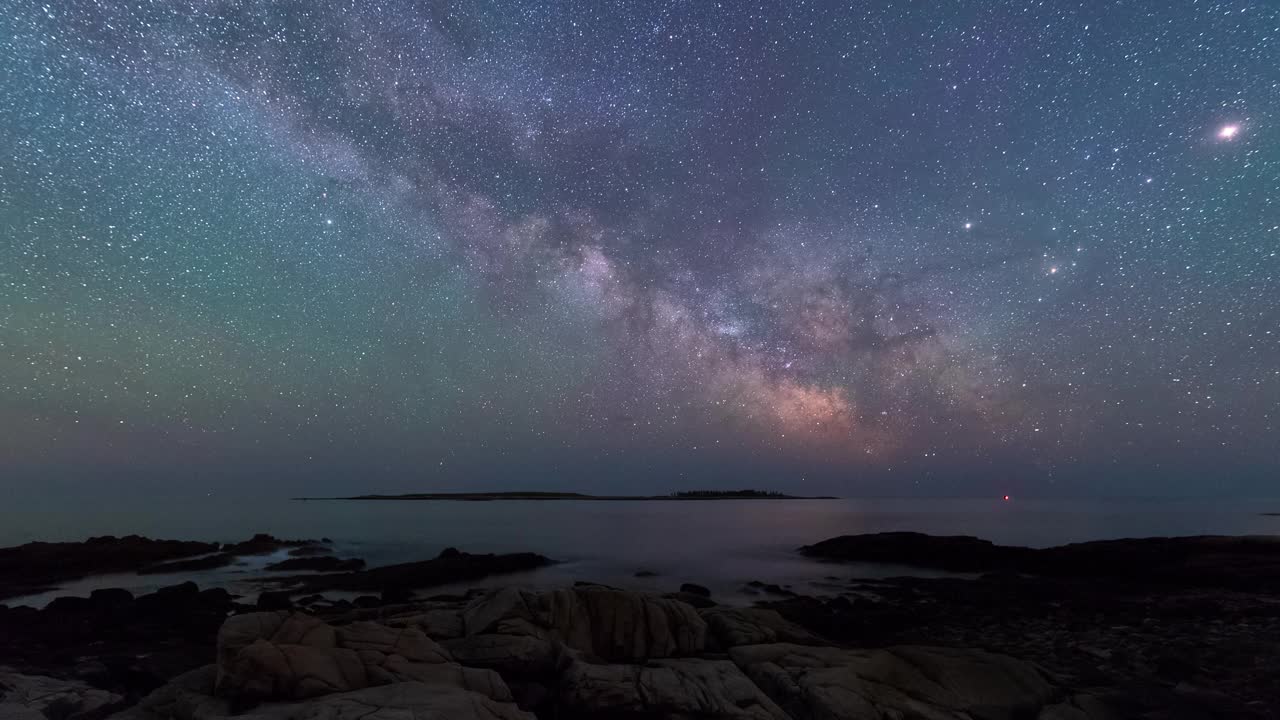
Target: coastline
[[1100, 625]]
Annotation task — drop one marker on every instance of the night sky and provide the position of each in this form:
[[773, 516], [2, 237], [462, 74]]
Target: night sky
[[845, 247]]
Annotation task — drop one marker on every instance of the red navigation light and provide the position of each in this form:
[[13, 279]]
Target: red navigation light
[[1006, 497]]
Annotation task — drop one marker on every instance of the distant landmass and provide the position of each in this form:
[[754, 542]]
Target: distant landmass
[[535, 495]]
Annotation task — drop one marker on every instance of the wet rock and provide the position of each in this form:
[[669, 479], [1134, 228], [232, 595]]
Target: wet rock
[[697, 601], [326, 563], [450, 566], [769, 588], [208, 562], [695, 589], [310, 550], [262, 544], [39, 566]]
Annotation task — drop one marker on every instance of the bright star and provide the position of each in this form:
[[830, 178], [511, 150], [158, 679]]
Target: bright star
[[968, 226], [328, 221], [1228, 132]]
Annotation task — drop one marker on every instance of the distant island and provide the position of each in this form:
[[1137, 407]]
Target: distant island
[[536, 495]]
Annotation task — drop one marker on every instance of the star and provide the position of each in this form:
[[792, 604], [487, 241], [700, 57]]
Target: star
[[575, 236]]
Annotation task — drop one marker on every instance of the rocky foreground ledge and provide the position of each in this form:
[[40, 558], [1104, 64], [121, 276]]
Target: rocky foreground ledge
[[584, 652]]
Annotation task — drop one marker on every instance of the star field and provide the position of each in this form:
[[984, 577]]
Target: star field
[[840, 247]]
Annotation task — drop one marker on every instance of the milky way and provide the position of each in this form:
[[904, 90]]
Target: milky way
[[847, 247]]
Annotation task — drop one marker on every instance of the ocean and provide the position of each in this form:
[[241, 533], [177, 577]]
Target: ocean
[[722, 544]]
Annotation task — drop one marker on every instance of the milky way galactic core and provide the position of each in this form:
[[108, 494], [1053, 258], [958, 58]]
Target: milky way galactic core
[[852, 247]]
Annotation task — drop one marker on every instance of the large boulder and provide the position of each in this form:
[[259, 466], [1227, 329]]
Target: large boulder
[[241, 631], [267, 671], [436, 623], [409, 642], [52, 698], [521, 632], [899, 682], [686, 687], [280, 656], [731, 627], [519, 655], [617, 625]]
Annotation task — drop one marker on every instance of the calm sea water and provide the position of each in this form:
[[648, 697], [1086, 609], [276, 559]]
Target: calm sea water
[[721, 544]]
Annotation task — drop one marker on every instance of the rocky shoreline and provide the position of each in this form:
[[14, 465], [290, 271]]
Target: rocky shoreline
[[1128, 629]]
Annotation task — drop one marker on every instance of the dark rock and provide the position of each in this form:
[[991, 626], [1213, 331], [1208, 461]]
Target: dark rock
[[262, 543], [114, 641], [69, 603], [698, 601], [695, 589], [592, 583], [645, 573], [959, 553], [450, 566], [309, 550], [1175, 668], [396, 595], [275, 600], [184, 590], [209, 562], [326, 563], [1246, 563], [111, 597], [215, 596], [530, 695], [367, 601], [769, 588], [38, 566]]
